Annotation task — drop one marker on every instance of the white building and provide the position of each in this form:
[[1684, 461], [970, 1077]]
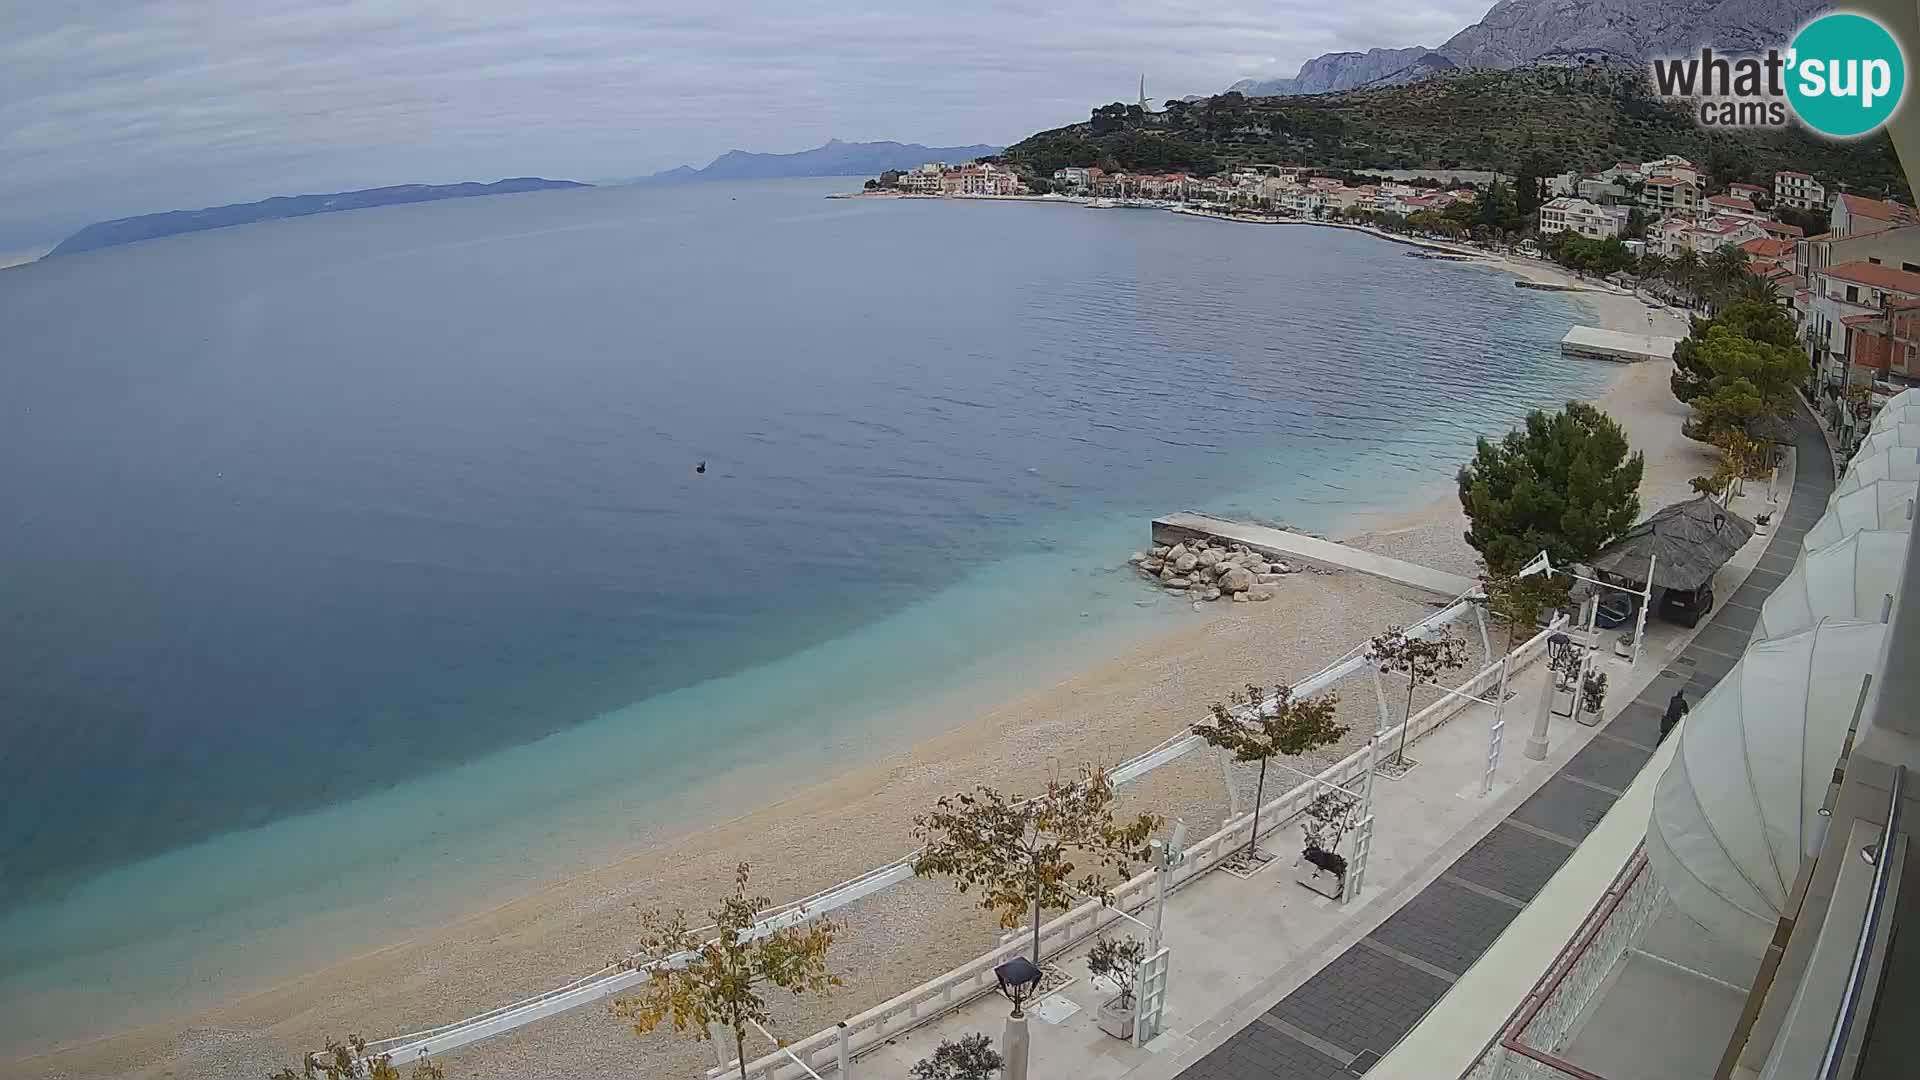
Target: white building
[[1719, 206], [1671, 195], [1567, 214], [1671, 167], [1798, 190]]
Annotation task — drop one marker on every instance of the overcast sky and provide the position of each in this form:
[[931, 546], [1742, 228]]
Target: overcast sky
[[112, 107]]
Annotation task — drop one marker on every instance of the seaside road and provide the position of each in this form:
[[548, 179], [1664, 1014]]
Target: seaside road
[[1344, 1018]]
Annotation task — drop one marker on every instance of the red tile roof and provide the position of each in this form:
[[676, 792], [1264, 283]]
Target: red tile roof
[[1766, 247], [1877, 276], [1731, 202], [1781, 228], [1665, 181], [1878, 209]]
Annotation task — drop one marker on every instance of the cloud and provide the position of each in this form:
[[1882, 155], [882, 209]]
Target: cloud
[[113, 108]]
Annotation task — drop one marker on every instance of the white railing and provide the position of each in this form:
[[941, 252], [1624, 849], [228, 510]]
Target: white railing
[[935, 998], [1529, 1044], [615, 978]]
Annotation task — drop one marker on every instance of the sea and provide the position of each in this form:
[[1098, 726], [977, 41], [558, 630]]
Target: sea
[[362, 569]]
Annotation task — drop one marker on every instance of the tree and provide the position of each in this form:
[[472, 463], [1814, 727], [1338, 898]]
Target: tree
[[1565, 484], [1255, 728], [720, 980], [1520, 600], [1636, 226], [1021, 852], [1746, 381], [349, 1061], [1756, 320], [970, 1057], [1118, 961], [1422, 659]]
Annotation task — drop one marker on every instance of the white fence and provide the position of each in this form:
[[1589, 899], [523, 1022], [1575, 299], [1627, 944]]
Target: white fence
[[822, 1050]]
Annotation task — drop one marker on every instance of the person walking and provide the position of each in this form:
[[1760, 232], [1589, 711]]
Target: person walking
[[1676, 708]]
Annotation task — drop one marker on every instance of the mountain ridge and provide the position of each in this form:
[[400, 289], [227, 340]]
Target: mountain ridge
[[833, 158], [130, 230], [1519, 33]]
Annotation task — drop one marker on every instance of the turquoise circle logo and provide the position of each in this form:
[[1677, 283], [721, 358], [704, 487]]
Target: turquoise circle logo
[[1847, 75]]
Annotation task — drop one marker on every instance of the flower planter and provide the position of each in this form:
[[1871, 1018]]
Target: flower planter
[[1116, 1019]]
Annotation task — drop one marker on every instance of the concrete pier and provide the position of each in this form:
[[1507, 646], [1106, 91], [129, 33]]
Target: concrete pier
[[1595, 343], [1296, 547]]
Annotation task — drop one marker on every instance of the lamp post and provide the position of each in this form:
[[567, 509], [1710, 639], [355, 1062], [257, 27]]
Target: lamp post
[[1558, 647], [1019, 980]]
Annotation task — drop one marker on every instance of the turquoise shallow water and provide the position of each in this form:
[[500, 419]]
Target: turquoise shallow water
[[362, 556]]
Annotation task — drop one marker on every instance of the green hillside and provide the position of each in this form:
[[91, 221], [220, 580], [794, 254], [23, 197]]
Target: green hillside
[[1569, 118]]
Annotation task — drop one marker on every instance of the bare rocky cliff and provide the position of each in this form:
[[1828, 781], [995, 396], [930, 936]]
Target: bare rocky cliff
[[1516, 33]]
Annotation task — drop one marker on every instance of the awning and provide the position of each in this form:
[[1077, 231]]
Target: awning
[[1902, 463], [1847, 580], [1891, 437], [1737, 809], [1890, 415], [1686, 543], [1883, 504]]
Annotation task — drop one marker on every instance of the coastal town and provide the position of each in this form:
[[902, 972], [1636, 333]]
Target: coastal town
[[1846, 266]]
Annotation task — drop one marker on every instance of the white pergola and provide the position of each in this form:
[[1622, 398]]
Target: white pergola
[[1856, 578], [1883, 504], [1739, 806]]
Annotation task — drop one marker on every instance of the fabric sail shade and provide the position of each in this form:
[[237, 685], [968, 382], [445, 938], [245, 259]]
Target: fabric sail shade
[[1893, 415], [1847, 580], [1883, 504], [1891, 437], [1900, 463], [1738, 807]]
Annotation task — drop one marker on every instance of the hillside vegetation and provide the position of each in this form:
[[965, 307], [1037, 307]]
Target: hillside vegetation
[[1582, 118]]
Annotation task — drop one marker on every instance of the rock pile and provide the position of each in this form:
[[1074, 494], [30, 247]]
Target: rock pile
[[1209, 569]]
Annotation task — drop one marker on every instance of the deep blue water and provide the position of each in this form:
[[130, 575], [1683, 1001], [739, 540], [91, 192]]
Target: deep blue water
[[309, 515]]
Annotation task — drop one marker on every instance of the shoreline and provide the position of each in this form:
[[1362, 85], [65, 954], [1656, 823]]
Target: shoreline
[[1102, 708]]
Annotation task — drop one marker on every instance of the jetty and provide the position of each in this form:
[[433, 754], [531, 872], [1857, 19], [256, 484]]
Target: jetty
[[1593, 343], [1293, 547]]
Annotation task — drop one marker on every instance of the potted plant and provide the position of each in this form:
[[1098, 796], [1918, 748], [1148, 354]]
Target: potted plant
[[1119, 963], [1594, 691], [970, 1057], [1761, 523]]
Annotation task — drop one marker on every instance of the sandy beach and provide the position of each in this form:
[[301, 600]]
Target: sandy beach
[[833, 827]]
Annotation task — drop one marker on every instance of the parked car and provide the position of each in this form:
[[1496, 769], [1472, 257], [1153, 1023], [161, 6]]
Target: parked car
[[1686, 608]]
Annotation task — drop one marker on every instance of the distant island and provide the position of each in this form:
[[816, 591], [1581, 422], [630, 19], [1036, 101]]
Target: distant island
[[836, 158], [130, 230]]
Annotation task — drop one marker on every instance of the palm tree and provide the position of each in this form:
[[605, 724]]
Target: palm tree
[[1726, 265], [1684, 272], [1653, 266], [1752, 288]]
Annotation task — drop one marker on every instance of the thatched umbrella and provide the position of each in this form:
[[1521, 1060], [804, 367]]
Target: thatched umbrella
[[1686, 543], [1773, 429]]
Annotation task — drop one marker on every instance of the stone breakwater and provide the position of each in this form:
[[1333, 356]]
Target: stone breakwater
[[1209, 570]]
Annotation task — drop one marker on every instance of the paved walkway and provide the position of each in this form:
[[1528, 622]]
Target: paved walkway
[[1299, 547], [1340, 1021]]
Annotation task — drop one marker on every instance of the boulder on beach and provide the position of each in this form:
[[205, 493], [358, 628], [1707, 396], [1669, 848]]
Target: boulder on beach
[[1152, 566], [1237, 579], [1137, 558], [1240, 598], [1258, 593], [1175, 552], [1256, 565], [1211, 592], [1209, 557], [1177, 584], [1186, 561], [1267, 579]]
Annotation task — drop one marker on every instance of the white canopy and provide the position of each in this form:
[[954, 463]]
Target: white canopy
[[1883, 504], [1737, 809], [1898, 412], [1902, 463], [1847, 580], [1891, 437]]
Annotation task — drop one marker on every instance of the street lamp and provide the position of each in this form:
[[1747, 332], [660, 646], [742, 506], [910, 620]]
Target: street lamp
[[1019, 979]]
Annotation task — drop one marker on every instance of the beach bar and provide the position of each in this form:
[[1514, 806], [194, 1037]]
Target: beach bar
[[1593, 343]]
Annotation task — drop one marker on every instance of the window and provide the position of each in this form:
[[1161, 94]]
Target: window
[[1853, 294]]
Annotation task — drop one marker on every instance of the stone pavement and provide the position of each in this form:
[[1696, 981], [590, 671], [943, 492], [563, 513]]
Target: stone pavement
[[1340, 1021]]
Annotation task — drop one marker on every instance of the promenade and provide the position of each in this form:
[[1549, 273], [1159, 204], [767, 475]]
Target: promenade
[[1271, 980]]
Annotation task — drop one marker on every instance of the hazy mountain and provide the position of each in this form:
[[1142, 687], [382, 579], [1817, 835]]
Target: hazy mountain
[[1336, 71], [1516, 33], [836, 158], [173, 222]]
